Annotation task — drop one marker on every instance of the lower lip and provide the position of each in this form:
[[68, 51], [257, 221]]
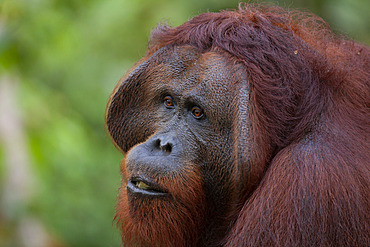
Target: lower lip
[[131, 188]]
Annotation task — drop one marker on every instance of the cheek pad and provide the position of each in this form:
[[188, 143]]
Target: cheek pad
[[129, 115]]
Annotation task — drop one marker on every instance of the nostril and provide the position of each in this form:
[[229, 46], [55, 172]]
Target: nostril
[[167, 148], [157, 143]]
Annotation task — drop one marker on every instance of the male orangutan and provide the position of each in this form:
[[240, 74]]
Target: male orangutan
[[245, 128]]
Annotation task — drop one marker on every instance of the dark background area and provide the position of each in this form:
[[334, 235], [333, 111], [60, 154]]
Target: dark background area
[[59, 61]]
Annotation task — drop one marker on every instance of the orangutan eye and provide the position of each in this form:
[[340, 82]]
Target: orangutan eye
[[197, 112], [168, 102]]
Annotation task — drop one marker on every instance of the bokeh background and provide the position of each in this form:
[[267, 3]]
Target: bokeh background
[[59, 61]]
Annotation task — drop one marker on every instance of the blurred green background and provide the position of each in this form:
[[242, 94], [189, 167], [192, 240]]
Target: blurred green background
[[59, 61]]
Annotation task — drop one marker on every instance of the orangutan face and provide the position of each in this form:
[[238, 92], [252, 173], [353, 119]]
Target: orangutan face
[[173, 116]]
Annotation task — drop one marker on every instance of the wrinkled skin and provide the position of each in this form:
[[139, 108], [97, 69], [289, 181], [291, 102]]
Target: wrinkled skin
[[183, 158]]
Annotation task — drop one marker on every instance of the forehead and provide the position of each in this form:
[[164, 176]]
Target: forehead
[[186, 72]]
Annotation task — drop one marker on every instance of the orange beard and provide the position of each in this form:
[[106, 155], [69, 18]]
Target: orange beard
[[173, 220]]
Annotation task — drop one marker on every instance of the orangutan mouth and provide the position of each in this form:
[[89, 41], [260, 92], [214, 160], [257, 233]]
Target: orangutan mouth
[[140, 187]]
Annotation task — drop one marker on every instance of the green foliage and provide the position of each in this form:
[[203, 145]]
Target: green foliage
[[68, 56]]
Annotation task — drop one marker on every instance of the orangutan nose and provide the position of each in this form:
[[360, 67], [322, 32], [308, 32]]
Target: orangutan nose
[[163, 144]]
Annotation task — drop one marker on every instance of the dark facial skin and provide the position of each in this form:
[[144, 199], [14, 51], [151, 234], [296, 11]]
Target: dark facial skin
[[173, 117]]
